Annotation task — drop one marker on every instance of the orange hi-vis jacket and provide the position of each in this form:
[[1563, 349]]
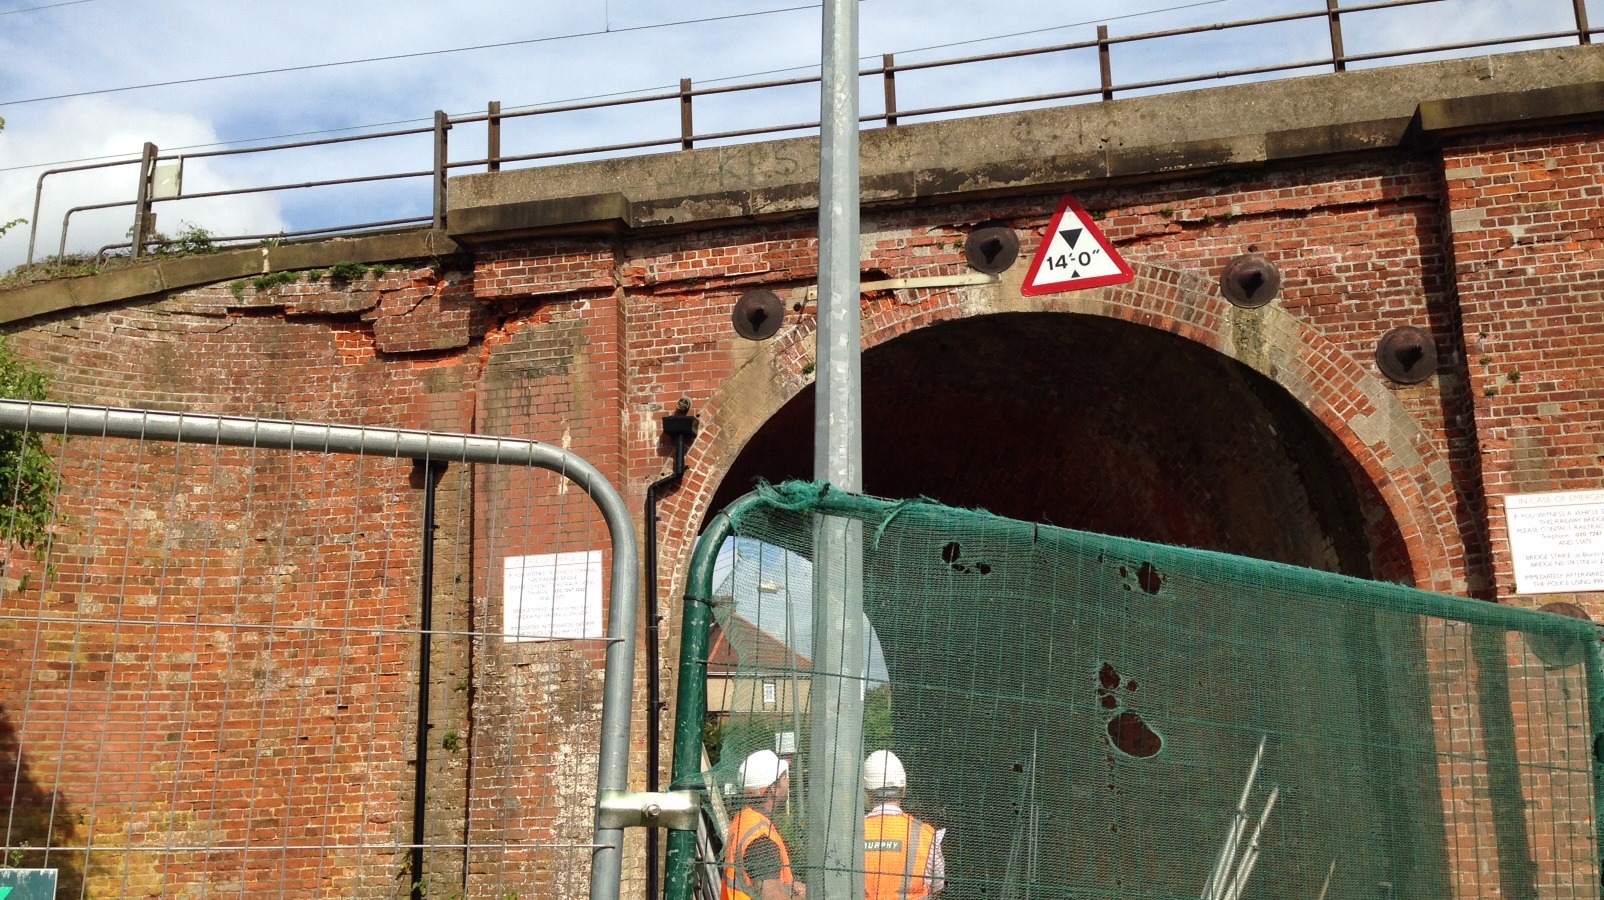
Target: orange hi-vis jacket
[[896, 854], [747, 826]]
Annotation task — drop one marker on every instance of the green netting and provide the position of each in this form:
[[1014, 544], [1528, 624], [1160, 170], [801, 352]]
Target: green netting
[[1082, 712]]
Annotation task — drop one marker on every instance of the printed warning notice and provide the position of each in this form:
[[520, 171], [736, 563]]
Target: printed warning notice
[[552, 596], [1556, 541]]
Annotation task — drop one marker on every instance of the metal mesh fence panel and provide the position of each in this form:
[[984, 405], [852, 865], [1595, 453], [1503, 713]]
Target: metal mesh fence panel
[[1089, 716], [218, 659]]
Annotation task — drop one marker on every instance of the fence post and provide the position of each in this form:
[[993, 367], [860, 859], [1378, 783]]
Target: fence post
[[144, 219], [686, 130], [493, 137], [1104, 64], [1583, 32], [442, 124], [690, 698], [888, 70], [1339, 62]]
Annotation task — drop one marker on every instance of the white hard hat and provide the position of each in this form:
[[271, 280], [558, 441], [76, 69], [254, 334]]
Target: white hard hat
[[882, 771], [762, 769]]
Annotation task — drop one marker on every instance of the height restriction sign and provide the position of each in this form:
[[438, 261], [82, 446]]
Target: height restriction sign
[[1074, 255]]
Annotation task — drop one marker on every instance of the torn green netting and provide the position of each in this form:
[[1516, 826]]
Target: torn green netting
[[1095, 717]]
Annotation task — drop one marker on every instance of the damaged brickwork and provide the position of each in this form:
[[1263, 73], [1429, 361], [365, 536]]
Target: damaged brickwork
[[1153, 409]]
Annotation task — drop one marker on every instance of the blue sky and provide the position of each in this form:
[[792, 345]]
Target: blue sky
[[556, 52]]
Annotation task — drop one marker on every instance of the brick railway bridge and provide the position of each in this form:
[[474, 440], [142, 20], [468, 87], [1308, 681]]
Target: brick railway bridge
[[578, 304]]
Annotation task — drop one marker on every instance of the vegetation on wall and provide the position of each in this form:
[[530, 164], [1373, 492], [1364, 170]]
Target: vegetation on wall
[[7, 226], [28, 478]]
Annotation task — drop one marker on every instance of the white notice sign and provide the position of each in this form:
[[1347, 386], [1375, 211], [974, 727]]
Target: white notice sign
[[1556, 541], [552, 596]]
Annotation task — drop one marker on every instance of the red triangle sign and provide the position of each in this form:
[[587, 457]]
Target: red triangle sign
[[1074, 255]]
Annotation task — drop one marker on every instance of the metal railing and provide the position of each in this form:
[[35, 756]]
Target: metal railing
[[1107, 88]]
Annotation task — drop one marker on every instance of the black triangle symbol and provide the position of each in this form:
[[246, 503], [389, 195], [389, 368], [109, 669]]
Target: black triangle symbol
[[1071, 235], [1074, 274]]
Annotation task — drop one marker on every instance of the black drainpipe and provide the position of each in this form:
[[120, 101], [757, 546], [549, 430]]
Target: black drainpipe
[[681, 428], [430, 472]]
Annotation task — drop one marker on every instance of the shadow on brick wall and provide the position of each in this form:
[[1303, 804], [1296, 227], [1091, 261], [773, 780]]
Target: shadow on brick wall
[[35, 818]]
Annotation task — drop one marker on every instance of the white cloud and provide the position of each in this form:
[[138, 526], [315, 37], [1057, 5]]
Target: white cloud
[[111, 43], [94, 127]]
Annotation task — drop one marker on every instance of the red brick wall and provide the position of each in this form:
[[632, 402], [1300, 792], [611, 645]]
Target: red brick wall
[[1269, 433], [1527, 235]]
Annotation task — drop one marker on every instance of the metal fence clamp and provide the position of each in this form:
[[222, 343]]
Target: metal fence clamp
[[677, 810]]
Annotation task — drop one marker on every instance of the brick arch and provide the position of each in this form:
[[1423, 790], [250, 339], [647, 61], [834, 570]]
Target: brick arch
[[1407, 472]]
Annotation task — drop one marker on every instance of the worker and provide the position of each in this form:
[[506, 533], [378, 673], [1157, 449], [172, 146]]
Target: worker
[[902, 856], [757, 864]]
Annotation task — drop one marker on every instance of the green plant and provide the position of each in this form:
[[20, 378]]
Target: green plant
[[49, 269], [378, 270], [237, 287], [1492, 391], [713, 728], [314, 275], [347, 271], [272, 280], [452, 741], [190, 241], [14, 222], [1513, 376], [807, 368], [28, 478]]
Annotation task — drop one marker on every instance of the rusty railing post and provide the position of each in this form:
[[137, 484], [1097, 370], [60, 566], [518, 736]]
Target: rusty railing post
[[493, 137], [686, 129], [1584, 34], [144, 219], [888, 73], [1105, 66], [442, 124], [1339, 60]]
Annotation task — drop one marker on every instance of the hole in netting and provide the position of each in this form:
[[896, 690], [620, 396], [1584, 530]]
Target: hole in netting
[[1148, 578], [951, 552], [1132, 736], [1108, 677]]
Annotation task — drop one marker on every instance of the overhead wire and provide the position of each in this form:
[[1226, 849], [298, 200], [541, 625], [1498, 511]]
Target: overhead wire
[[414, 55], [12, 12], [608, 29]]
